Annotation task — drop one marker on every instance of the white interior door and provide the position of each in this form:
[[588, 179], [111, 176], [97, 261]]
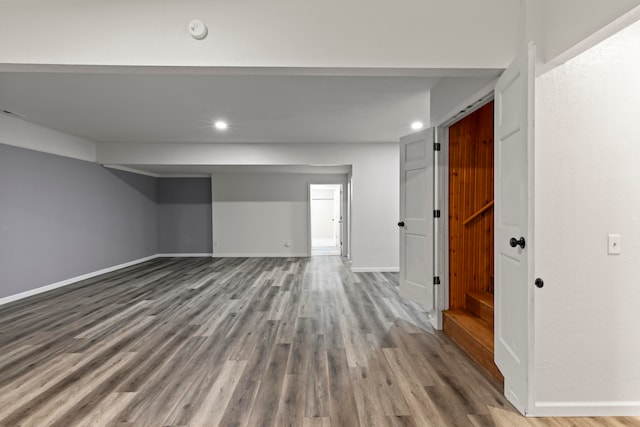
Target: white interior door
[[513, 229], [416, 217]]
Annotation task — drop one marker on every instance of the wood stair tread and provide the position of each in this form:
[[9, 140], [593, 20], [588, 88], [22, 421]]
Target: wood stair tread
[[474, 325], [474, 335]]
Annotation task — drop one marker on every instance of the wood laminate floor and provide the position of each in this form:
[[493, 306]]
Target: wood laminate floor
[[237, 342]]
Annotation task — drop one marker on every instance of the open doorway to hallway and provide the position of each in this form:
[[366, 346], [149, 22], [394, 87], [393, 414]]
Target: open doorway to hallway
[[325, 219]]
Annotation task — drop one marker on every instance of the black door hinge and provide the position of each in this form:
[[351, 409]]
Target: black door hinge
[[436, 146], [436, 213], [436, 280]]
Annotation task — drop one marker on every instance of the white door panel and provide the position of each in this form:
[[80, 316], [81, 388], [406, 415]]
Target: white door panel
[[513, 230], [416, 212]]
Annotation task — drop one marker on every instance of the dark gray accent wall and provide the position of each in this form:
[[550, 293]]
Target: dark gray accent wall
[[61, 218], [184, 215]]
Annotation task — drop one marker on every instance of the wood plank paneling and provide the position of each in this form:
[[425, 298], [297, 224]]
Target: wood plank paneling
[[470, 189]]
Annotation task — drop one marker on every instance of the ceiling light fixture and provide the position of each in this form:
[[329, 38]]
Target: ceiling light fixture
[[417, 125], [221, 125]]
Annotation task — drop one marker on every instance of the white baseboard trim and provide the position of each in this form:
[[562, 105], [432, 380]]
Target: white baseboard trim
[[586, 409], [259, 255], [195, 255], [31, 292], [375, 269]]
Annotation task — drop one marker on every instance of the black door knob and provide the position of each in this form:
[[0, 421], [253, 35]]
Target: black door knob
[[539, 283], [401, 224], [517, 242]]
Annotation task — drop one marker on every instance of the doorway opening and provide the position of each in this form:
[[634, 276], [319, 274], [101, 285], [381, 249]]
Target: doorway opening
[[469, 319], [325, 208]]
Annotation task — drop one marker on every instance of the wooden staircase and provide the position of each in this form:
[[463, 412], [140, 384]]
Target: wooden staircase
[[472, 330]]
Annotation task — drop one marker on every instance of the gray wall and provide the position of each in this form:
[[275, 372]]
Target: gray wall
[[61, 218], [184, 215], [258, 214]]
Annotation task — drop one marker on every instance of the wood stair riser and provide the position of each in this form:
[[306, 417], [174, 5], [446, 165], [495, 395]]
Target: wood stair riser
[[480, 307], [474, 347]]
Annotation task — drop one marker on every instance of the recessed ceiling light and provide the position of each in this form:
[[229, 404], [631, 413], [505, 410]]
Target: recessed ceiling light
[[221, 125], [417, 125]]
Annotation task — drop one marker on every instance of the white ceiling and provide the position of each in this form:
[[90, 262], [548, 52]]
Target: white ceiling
[[137, 107], [157, 105]]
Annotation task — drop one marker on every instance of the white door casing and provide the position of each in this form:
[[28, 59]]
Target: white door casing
[[416, 212], [325, 215], [514, 97], [337, 216]]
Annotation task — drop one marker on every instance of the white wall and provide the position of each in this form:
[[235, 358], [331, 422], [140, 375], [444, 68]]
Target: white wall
[[255, 214], [451, 96], [375, 182], [567, 23], [587, 358], [284, 33]]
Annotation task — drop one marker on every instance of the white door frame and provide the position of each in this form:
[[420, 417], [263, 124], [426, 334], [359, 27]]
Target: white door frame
[[345, 205], [349, 201], [463, 109]]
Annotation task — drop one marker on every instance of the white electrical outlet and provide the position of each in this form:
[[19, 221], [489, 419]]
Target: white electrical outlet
[[614, 244]]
